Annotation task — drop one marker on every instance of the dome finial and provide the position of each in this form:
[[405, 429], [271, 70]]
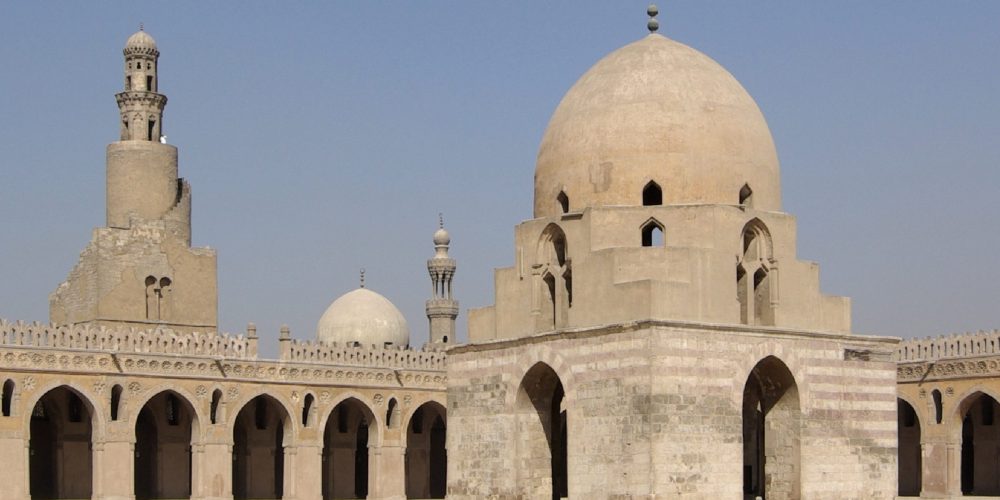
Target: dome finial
[[653, 24], [141, 28], [440, 220], [362, 277]]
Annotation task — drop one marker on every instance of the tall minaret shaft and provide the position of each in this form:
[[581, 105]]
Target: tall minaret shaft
[[142, 181], [442, 308]]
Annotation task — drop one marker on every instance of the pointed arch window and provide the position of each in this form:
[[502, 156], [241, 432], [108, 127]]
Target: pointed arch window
[[652, 234], [563, 201], [746, 196], [8, 397], [652, 194]]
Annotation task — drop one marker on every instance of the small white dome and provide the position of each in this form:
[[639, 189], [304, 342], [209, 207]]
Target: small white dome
[[363, 316], [441, 237], [140, 41]]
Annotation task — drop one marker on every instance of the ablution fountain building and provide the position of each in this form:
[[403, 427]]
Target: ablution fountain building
[[656, 337]]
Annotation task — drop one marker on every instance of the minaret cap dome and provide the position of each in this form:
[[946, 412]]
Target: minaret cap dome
[[363, 316], [656, 110], [441, 237], [140, 40]]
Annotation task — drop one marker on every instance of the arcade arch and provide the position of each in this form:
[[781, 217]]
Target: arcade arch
[[165, 429], [426, 455], [60, 463], [771, 432], [541, 433], [260, 433], [350, 429]]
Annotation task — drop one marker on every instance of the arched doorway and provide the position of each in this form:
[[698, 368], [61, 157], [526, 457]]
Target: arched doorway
[[909, 460], [60, 460], [426, 456], [164, 431], [771, 426], [542, 436], [349, 430], [258, 449], [980, 446]]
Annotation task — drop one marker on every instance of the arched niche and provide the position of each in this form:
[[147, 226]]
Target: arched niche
[[351, 429], [542, 436], [426, 455], [909, 460], [772, 420], [165, 430], [259, 433], [60, 462]]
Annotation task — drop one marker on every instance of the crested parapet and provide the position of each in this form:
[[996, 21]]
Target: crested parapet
[[356, 354], [124, 339], [956, 345]]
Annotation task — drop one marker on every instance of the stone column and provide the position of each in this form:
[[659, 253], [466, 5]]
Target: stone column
[[213, 480], [14, 464], [954, 468], [387, 472], [303, 472], [114, 460]]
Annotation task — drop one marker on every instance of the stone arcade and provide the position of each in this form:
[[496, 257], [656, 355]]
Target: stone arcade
[[656, 337]]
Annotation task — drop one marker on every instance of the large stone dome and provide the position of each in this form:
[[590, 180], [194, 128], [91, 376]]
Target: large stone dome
[[656, 110], [363, 316]]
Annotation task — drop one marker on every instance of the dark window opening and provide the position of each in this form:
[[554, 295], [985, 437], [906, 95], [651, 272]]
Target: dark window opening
[[152, 126], [116, 399], [391, 408], [563, 201], [936, 395], [149, 84], [445, 338], [128, 82], [746, 195], [8, 397], [214, 410], [652, 235], [306, 408], [652, 194]]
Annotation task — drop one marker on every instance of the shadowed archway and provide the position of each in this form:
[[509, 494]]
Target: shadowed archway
[[164, 431], [259, 435], [60, 459], [426, 456], [541, 434], [909, 460], [771, 427], [350, 429]]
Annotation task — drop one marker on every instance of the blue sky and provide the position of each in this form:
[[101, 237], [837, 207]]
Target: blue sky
[[322, 137]]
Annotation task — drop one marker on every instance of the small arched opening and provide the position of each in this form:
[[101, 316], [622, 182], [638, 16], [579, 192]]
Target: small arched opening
[[652, 194], [554, 281], [754, 273], [746, 196], [350, 429], [909, 460], [392, 414], [426, 456], [307, 406], [7, 399], [563, 202], [60, 464], [541, 434], [980, 441], [771, 430], [652, 234], [116, 401], [259, 449], [214, 410], [164, 432]]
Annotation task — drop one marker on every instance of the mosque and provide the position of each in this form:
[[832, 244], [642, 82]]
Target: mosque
[[656, 337]]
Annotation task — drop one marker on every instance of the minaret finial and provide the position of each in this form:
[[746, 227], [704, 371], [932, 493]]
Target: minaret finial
[[653, 24], [141, 28], [362, 277], [440, 220]]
